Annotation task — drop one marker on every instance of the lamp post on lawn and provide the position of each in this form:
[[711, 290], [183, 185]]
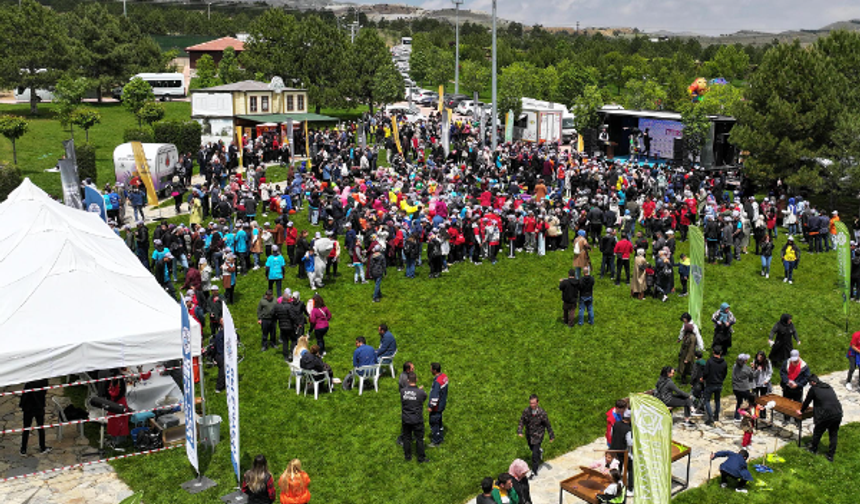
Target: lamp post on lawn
[[209, 11], [457, 4], [494, 122]]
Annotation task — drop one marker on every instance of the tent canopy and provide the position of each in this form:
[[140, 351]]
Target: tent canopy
[[74, 297]]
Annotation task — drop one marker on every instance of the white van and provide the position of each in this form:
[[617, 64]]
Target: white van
[[568, 130], [161, 158], [165, 86], [22, 95]]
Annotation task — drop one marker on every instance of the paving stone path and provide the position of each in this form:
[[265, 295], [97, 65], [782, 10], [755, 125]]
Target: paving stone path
[[702, 439]]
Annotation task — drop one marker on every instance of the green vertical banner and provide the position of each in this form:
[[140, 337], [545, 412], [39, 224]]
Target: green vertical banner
[[842, 242], [697, 273], [652, 449], [509, 126]]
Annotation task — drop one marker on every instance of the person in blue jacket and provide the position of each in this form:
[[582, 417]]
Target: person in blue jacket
[[275, 266], [387, 343], [438, 401], [241, 247], [364, 354], [734, 468]]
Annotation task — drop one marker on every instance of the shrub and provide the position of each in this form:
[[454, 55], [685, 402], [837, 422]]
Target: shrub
[[185, 135], [86, 158], [141, 134], [10, 178]]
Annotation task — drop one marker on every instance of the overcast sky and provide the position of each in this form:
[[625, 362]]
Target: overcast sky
[[709, 18]]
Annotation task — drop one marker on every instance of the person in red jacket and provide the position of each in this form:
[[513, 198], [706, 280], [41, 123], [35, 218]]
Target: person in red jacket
[[623, 251], [290, 236], [613, 415], [529, 228]]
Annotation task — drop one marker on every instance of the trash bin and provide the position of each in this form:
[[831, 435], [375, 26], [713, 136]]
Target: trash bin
[[211, 432]]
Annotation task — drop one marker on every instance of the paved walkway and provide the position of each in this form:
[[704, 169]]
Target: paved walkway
[[703, 441], [97, 484]]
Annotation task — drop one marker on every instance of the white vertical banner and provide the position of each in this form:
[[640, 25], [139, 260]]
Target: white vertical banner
[[188, 391], [446, 131], [231, 377]]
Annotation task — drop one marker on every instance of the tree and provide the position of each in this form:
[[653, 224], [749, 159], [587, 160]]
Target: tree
[[10, 179], [109, 49], [13, 128], [697, 124], [730, 62], [787, 120], [86, 118], [67, 98], [585, 108], [474, 76], [373, 78], [135, 95], [34, 50], [573, 79], [644, 95], [271, 44], [516, 81], [842, 49], [151, 112], [228, 68], [721, 100], [206, 73], [843, 170]]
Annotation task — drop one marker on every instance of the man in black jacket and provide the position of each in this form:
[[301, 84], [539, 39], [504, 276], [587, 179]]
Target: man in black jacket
[[534, 423], [288, 314], [622, 439], [715, 374], [33, 406], [586, 296], [412, 401], [826, 413], [569, 296], [607, 251]]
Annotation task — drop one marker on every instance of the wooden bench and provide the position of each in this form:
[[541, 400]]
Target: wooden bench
[[786, 407]]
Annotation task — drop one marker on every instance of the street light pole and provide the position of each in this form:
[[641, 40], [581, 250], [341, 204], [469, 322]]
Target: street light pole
[[209, 11], [457, 4], [495, 118]]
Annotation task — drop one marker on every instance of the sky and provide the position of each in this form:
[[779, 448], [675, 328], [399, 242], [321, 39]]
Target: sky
[[708, 18]]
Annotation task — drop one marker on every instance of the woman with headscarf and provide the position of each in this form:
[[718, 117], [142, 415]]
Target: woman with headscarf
[[637, 282], [780, 341], [581, 258], [724, 321], [687, 354], [519, 469]]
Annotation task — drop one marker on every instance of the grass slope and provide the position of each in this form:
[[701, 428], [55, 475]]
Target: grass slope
[[497, 332], [803, 478]]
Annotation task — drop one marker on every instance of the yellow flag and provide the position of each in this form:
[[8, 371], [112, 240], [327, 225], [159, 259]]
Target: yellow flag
[[396, 132], [143, 171], [241, 147], [441, 96], [580, 145], [307, 146]]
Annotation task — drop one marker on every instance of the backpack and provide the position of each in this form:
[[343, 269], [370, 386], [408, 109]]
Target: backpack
[[348, 381], [147, 439], [790, 255]]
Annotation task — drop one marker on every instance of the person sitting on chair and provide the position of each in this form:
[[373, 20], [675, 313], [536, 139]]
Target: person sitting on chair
[[615, 492]]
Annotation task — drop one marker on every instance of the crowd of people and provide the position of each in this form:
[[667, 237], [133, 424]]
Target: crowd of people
[[472, 205]]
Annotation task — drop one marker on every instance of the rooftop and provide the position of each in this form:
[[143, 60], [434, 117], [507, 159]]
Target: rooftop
[[218, 45]]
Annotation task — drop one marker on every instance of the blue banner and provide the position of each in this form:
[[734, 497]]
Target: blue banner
[[188, 391], [94, 202], [231, 344]]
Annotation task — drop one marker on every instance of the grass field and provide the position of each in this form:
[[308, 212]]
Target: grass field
[[802, 478], [39, 149], [497, 332]]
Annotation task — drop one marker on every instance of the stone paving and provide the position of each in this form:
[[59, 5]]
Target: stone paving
[[96, 484], [703, 441]]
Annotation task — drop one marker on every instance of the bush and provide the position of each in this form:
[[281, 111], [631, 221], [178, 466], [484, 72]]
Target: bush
[[86, 158], [10, 179], [142, 134], [185, 135]]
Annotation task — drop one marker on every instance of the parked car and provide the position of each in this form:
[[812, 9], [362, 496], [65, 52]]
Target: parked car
[[428, 99], [411, 114], [452, 100], [467, 107]]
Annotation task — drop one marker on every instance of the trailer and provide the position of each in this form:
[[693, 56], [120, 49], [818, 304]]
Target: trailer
[[540, 121]]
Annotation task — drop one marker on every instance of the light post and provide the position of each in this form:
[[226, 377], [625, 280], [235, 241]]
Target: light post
[[457, 4], [494, 122], [209, 11]]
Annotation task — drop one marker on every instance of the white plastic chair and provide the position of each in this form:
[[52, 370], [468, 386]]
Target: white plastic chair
[[370, 372], [295, 372], [315, 378], [388, 361], [60, 404]]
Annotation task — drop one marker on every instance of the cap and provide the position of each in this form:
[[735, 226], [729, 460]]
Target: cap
[[795, 356], [790, 238]]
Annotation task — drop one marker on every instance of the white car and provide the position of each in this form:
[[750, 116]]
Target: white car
[[412, 115], [467, 107]]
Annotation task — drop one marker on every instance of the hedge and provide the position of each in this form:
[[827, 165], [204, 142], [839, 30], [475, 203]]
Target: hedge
[[10, 179], [86, 158], [142, 134], [185, 135]]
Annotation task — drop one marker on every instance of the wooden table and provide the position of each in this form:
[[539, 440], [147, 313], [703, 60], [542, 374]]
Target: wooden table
[[680, 451], [786, 407], [585, 485]]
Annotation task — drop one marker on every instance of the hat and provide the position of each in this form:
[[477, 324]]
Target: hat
[[214, 288], [724, 306], [795, 356], [288, 293], [156, 241], [290, 224], [835, 212], [744, 357], [790, 238]]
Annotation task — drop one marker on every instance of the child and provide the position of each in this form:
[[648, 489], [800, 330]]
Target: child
[[697, 380], [683, 272], [615, 491], [609, 463], [748, 414], [650, 280]]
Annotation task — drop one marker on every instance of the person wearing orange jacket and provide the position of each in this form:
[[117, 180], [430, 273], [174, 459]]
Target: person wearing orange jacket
[[294, 484]]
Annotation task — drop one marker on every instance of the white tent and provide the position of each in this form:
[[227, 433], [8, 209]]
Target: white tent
[[73, 297]]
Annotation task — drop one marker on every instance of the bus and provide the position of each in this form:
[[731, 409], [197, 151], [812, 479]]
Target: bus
[[165, 86]]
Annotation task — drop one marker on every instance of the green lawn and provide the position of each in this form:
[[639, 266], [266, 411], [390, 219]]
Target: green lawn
[[802, 478], [39, 149], [497, 332]]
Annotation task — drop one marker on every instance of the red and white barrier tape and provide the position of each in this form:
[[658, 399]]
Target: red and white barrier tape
[[83, 464], [81, 382], [98, 419]]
